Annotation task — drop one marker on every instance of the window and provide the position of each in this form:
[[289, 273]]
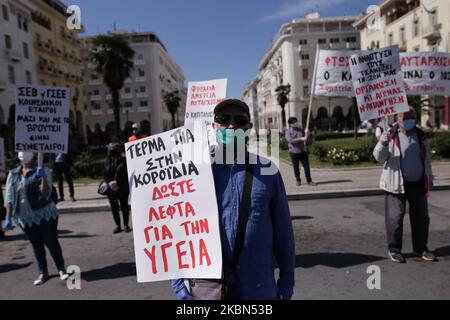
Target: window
[[7, 41], [11, 75], [141, 73], [142, 89], [305, 74], [322, 41], [96, 92], [25, 51], [304, 56], [334, 40], [350, 39], [402, 34], [303, 41], [25, 24], [143, 103], [416, 28], [28, 76], [140, 57], [127, 90], [128, 104], [434, 17], [390, 39], [19, 20], [5, 12], [305, 91]]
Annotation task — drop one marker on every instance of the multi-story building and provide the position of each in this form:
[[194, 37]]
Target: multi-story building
[[290, 60], [141, 97], [413, 25], [251, 99], [58, 57], [17, 58]]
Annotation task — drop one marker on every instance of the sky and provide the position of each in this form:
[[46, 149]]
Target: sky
[[210, 39]]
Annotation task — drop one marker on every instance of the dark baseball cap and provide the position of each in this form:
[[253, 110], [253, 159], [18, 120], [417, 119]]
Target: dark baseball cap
[[232, 102]]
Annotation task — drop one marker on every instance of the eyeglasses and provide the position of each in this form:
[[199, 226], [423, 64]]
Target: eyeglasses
[[226, 119]]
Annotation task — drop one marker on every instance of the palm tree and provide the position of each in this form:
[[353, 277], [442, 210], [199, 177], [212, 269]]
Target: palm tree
[[172, 102], [283, 98], [113, 57]]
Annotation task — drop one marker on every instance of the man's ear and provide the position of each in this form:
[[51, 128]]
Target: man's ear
[[214, 125]]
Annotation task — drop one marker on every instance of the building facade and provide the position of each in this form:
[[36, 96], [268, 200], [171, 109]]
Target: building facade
[[413, 25], [58, 59], [141, 97], [17, 59], [290, 60]]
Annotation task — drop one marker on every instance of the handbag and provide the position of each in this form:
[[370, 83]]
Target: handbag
[[220, 289], [103, 188]]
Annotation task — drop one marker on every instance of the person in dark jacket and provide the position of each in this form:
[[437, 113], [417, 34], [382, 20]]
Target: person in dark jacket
[[63, 165], [116, 176]]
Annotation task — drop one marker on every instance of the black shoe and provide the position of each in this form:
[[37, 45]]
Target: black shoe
[[41, 279], [72, 198], [117, 230], [426, 256], [127, 229], [397, 257]]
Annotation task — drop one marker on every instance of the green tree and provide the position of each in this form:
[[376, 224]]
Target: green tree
[[283, 98], [113, 58], [172, 102]]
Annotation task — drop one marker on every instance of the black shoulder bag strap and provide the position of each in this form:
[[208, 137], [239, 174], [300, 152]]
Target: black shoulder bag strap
[[244, 211]]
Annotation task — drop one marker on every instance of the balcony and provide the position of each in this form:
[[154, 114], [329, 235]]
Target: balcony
[[94, 82], [402, 45], [432, 32], [141, 79], [126, 96], [96, 97], [139, 62], [108, 96], [13, 55], [142, 95], [303, 63], [303, 47]]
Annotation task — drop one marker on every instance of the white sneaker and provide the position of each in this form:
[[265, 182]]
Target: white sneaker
[[63, 275], [40, 280]]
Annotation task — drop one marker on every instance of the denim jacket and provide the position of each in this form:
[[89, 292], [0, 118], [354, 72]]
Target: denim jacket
[[32, 189]]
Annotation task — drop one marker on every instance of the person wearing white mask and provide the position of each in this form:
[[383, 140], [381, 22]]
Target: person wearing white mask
[[28, 202], [406, 176]]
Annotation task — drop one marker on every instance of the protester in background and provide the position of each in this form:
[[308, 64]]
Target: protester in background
[[28, 202], [116, 176], [63, 165], [296, 138], [378, 128], [268, 233], [136, 133], [406, 176]]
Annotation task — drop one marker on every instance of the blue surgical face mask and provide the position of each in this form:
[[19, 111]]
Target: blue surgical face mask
[[230, 136], [409, 124]]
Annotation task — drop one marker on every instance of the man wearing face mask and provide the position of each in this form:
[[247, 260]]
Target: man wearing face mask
[[28, 201], [296, 138], [248, 252], [406, 176]]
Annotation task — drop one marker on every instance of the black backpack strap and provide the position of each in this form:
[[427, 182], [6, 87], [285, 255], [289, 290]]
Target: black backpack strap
[[244, 211]]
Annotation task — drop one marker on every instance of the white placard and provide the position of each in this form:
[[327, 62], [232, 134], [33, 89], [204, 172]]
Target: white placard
[[42, 119], [174, 207], [378, 83], [426, 73], [333, 74], [202, 97]]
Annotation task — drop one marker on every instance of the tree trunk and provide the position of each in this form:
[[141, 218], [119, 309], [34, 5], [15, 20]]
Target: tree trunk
[[173, 121], [116, 109], [283, 118]]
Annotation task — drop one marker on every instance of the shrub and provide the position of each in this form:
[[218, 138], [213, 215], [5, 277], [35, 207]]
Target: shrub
[[340, 156], [440, 145], [284, 144]]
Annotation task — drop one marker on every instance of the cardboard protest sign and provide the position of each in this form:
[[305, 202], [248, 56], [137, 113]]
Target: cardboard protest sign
[[333, 76], [42, 119], [426, 73], [378, 83], [202, 97], [2, 159], [174, 207]]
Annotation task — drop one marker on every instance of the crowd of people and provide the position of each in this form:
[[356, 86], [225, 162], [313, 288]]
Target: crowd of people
[[255, 222]]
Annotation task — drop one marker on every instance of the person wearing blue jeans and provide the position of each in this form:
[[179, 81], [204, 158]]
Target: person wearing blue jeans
[[269, 236], [28, 202]]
